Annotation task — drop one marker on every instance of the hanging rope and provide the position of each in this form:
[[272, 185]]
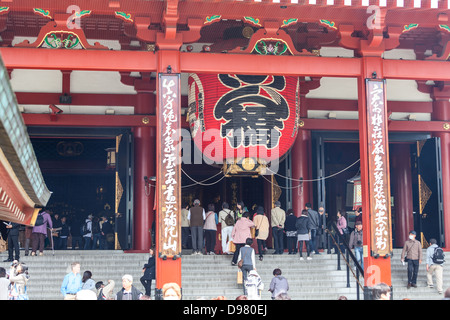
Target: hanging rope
[[300, 185], [202, 182], [147, 191], [318, 179]]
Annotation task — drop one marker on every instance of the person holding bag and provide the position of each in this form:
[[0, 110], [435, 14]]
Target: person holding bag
[[303, 225], [241, 232], [246, 260], [226, 220], [210, 230], [343, 229], [262, 230]]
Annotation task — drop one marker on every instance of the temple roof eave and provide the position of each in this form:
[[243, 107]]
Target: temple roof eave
[[21, 180]]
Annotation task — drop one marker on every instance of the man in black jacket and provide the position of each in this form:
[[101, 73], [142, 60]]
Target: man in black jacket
[[128, 291], [149, 274], [106, 228], [315, 224], [13, 241]]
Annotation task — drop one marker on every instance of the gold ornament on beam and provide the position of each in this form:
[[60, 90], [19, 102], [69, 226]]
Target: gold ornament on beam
[[245, 167]]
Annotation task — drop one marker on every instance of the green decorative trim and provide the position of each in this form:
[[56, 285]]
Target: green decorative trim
[[54, 42], [42, 12], [123, 15], [288, 22], [444, 27], [83, 13], [212, 19], [410, 27], [275, 47], [328, 23], [4, 9], [254, 21]]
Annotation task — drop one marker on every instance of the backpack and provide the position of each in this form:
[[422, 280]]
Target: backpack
[[438, 256], [39, 220], [101, 296], [229, 220], [95, 227], [84, 229]]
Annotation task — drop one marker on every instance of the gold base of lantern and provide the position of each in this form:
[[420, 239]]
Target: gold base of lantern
[[244, 167]]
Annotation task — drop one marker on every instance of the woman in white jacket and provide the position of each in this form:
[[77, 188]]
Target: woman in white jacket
[[254, 285]]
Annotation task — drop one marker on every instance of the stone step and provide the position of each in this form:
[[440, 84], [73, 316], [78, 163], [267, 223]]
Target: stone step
[[316, 279]]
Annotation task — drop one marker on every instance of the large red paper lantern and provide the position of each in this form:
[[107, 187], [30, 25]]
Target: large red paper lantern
[[243, 116]]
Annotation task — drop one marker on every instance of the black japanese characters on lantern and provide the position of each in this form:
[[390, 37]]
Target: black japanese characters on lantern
[[254, 110]]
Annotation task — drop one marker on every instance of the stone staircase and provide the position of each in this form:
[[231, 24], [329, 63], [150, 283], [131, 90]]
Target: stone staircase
[[205, 277], [399, 275], [315, 279], [47, 271]]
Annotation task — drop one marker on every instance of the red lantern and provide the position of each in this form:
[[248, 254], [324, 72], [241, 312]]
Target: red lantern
[[242, 116]]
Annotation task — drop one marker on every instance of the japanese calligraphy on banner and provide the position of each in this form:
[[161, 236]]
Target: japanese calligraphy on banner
[[168, 164], [379, 189]]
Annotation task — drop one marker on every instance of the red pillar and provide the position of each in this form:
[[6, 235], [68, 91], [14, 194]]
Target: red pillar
[[441, 111], [402, 191], [168, 270], [376, 269], [301, 156], [300, 159], [144, 166]]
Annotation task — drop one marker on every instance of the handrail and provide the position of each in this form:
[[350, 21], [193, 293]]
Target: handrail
[[350, 255]]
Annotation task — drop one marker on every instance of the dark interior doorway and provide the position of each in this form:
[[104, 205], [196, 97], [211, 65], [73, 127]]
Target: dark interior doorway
[[75, 171], [334, 152], [230, 189]]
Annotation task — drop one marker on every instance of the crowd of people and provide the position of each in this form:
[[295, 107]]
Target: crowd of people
[[52, 230], [230, 229], [239, 229], [236, 231]]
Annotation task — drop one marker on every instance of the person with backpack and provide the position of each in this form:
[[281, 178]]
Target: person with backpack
[[105, 292], [226, 221], [435, 262], [39, 233], [87, 232]]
